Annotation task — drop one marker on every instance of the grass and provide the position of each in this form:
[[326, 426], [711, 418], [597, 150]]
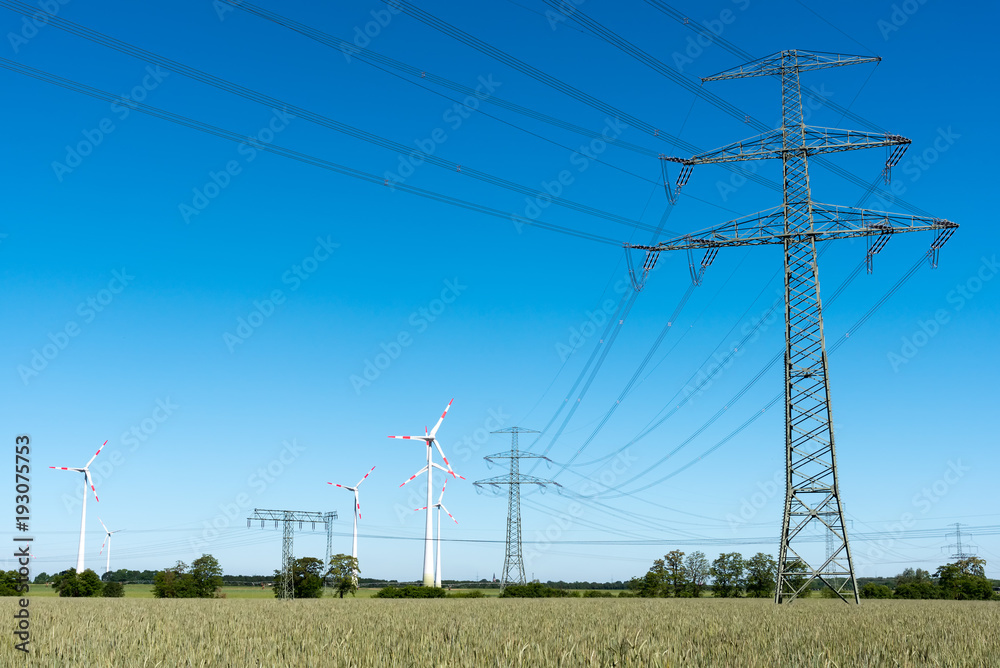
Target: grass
[[497, 632]]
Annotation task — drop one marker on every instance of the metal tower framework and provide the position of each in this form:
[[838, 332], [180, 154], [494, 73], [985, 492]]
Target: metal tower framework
[[958, 550], [812, 493], [288, 518], [513, 563]]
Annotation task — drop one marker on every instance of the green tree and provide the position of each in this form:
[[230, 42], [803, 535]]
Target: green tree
[[761, 575], [206, 574], [10, 583], [727, 573], [343, 571], [174, 582], [42, 578], [82, 584], [964, 580], [872, 590], [307, 579], [114, 590], [675, 575], [697, 568]]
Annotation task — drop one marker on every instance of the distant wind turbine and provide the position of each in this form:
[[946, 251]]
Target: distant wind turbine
[[357, 514], [87, 482], [107, 541], [430, 440]]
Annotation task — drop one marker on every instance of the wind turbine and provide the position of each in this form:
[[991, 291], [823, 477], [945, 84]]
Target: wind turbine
[[86, 482], [357, 514], [440, 506], [430, 440], [107, 540]]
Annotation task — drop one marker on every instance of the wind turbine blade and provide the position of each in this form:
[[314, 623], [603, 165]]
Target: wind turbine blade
[[415, 475], [95, 454], [411, 438], [366, 476], [443, 487], [103, 544], [449, 514], [90, 482], [357, 503], [434, 431], [419, 509], [103, 524], [65, 468], [441, 452], [340, 486]]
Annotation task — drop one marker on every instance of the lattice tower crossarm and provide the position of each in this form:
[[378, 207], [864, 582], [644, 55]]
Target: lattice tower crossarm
[[812, 491], [288, 519], [513, 563]]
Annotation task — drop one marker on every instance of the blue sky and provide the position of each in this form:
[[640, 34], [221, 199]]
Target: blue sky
[[178, 237]]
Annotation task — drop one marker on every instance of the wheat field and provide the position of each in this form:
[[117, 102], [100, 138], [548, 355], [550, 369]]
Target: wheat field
[[497, 632]]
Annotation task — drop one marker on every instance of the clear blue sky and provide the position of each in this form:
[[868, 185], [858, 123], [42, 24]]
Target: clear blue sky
[[357, 265]]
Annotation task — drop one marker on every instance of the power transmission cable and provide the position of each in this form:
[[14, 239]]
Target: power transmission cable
[[289, 153], [318, 119]]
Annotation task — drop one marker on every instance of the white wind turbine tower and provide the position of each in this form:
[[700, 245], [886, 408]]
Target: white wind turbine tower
[[107, 541], [87, 482], [430, 440], [357, 514], [440, 506]]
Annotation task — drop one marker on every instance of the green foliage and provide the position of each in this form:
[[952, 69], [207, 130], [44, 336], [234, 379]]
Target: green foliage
[[794, 580], [42, 578], [697, 568], [343, 571], [533, 590], [203, 580], [872, 590], [761, 575], [410, 591], [649, 585], [918, 590], [114, 590], [307, 579], [965, 580], [727, 572], [10, 583], [73, 584], [675, 574], [475, 593], [595, 593], [126, 576]]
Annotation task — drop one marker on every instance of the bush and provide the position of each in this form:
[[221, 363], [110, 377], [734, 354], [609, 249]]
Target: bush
[[872, 590], [410, 591], [114, 590], [626, 594], [71, 583], [918, 590], [594, 593], [475, 593], [534, 590]]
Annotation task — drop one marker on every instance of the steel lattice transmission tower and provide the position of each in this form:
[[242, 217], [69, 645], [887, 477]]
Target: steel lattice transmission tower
[[513, 563], [958, 550], [288, 518], [812, 493]]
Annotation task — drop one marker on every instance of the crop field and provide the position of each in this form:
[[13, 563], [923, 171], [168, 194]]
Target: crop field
[[497, 632]]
